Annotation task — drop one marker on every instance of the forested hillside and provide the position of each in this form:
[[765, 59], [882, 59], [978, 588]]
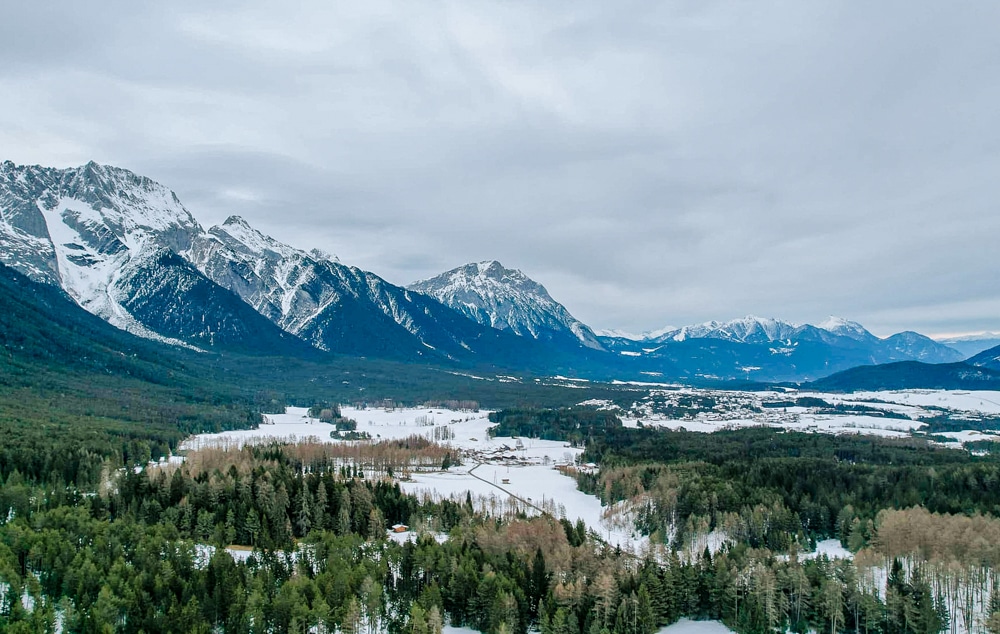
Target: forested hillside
[[93, 539]]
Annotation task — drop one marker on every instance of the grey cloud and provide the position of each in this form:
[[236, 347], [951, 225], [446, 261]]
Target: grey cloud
[[648, 163]]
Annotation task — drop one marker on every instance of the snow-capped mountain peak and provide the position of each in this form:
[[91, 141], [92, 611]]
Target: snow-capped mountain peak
[[621, 334], [845, 328], [749, 329], [237, 233], [125, 249], [87, 229], [505, 299]]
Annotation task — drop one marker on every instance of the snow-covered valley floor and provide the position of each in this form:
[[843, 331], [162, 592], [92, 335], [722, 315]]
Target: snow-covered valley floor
[[503, 473], [496, 472]]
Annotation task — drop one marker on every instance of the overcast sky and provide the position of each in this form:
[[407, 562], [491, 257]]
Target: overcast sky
[[649, 163]]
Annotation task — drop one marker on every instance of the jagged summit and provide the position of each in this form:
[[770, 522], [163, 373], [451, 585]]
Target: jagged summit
[[125, 248], [84, 228], [238, 234], [116, 243], [505, 299], [749, 329]]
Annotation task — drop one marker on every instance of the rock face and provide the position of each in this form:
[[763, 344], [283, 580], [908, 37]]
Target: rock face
[[506, 299], [124, 248], [101, 233], [330, 305], [749, 329]]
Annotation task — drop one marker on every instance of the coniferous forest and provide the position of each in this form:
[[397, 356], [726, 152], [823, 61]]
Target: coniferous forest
[[292, 538], [145, 550]]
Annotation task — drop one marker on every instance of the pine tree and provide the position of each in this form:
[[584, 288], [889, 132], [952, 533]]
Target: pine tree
[[252, 526], [303, 511], [538, 584], [376, 524], [993, 620], [320, 517], [646, 622], [435, 623], [344, 513], [230, 537], [417, 623]]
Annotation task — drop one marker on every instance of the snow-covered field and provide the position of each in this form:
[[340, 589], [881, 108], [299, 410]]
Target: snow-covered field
[[735, 409], [293, 426], [502, 473], [683, 626], [531, 476], [985, 402], [829, 547], [687, 626]]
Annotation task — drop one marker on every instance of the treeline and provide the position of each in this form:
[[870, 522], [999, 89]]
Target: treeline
[[146, 554], [277, 495], [397, 456], [820, 406], [69, 440], [958, 554], [575, 425], [124, 576], [773, 487]]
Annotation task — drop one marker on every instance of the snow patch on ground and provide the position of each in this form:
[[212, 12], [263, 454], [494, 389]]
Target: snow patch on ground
[[829, 547], [687, 626]]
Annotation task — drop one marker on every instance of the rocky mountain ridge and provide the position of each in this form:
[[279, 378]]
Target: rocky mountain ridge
[[124, 247], [506, 299]]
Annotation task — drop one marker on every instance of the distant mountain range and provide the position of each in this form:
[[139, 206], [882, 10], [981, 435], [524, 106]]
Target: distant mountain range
[[834, 330], [762, 347], [124, 248], [971, 345]]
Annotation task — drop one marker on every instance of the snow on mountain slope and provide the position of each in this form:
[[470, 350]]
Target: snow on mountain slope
[[624, 334], [778, 347], [971, 345], [324, 302], [505, 299], [844, 328], [918, 347], [270, 276], [749, 329], [987, 358], [123, 247], [126, 249], [80, 228]]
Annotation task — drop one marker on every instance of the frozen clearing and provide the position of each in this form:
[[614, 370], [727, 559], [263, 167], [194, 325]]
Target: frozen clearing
[[985, 402], [687, 626], [504, 473], [805, 422], [683, 626], [530, 468], [292, 426], [829, 547], [721, 409]]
